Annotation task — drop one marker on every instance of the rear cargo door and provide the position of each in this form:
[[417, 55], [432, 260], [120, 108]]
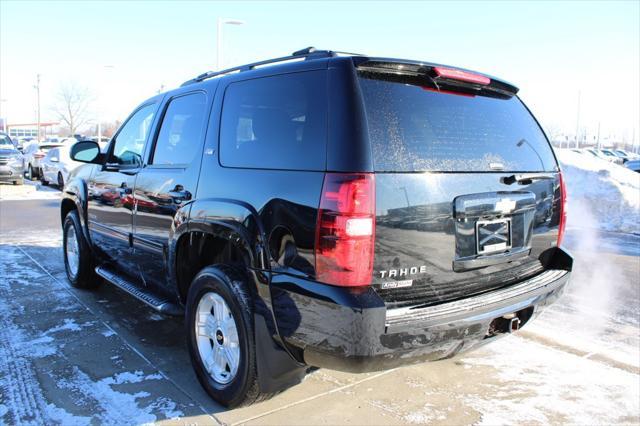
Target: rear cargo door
[[467, 189]]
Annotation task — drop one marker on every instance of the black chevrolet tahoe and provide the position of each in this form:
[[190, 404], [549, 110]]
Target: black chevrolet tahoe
[[324, 210]]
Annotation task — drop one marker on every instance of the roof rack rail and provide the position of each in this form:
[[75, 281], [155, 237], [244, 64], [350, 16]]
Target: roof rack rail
[[308, 53]]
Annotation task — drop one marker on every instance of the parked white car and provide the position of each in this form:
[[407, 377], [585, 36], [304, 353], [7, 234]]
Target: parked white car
[[609, 155], [625, 155], [34, 153], [57, 165]]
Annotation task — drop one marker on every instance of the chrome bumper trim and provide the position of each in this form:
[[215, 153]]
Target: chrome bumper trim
[[540, 284]]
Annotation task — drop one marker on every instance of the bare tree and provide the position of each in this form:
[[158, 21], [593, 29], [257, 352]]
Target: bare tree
[[72, 103]]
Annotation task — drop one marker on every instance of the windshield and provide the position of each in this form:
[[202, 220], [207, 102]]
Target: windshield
[[5, 142], [414, 129]]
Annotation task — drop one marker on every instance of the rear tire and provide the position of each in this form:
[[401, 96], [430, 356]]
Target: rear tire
[[60, 181], [78, 262], [230, 383], [30, 173]]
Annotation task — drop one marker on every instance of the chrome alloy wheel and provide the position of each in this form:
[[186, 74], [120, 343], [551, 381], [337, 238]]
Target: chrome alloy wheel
[[72, 251], [217, 338]]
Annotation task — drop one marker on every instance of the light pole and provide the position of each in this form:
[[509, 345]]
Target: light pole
[[37, 87], [104, 68], [221, 22], [3, 117], [578, 123]]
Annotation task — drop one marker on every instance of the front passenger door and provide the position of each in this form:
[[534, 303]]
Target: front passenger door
[[166, 186], [110, 208]]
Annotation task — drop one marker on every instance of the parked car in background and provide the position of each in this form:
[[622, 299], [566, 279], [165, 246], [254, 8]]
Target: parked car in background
[[601, 155], [11, 161], [625, 155], [57, 165], [33, 155], [633, 165], [609, 155], [52, 139]]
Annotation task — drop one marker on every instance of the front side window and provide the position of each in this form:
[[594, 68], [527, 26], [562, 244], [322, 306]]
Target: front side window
[[181, 130], [277, 122], [129, 142]]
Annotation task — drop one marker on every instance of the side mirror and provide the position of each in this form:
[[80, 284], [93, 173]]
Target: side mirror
[[55, 160], [86, 152]]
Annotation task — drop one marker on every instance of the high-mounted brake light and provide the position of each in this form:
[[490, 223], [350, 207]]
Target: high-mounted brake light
[[345, 231], [460, 75], [563, 209]]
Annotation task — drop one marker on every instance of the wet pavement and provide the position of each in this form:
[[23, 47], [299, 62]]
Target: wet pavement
[[75, 357]]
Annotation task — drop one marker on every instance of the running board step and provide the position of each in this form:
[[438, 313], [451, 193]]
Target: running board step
[[160, 304]]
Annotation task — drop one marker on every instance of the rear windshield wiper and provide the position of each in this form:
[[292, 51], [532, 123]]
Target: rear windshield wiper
[[527, 178]]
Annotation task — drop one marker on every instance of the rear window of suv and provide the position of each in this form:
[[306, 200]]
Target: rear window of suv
[[415, 129], [277, 122]]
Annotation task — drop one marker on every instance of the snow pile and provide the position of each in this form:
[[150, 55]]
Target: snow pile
[[609, 193]]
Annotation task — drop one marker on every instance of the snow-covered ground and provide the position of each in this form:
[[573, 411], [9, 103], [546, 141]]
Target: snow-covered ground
[[601, 195]]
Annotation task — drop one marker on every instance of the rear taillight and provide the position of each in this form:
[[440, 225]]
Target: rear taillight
[[345, 230], [563, 209], [454, 74]]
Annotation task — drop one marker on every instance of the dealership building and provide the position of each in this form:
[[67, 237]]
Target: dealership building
[[30, 129]]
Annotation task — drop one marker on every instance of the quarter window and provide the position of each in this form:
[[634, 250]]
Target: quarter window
[[181, 130], [275, 122], [129, 142]]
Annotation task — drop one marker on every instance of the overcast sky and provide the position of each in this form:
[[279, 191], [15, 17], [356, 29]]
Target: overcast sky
[[550, 50]]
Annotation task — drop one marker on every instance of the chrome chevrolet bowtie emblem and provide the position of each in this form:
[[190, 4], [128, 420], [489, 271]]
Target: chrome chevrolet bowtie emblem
[[505, 205]]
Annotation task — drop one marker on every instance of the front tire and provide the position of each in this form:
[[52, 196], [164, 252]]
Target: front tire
[[78, 261], [219, 321], [60, 181], [30, 173]]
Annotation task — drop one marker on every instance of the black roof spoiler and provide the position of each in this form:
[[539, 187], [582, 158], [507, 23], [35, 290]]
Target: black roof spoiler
[[405, 68]]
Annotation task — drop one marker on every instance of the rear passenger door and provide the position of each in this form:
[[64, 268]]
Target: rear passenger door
[[167, 184]]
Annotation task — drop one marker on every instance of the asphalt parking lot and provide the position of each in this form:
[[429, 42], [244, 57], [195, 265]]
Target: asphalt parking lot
[[73, 357]]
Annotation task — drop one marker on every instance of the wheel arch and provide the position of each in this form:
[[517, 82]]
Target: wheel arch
[[74, 197]]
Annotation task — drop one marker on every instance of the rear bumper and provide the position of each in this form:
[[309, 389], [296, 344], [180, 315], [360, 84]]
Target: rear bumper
[[340, 335]]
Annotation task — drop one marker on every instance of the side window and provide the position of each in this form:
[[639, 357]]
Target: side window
[[54, 154], [181, 130], [129, 143], [275, 122]]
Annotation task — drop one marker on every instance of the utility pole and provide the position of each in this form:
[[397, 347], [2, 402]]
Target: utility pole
[[578, 123], [37, 87]]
